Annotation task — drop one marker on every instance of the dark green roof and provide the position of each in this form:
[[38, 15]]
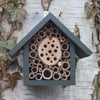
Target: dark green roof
[[81, 49]]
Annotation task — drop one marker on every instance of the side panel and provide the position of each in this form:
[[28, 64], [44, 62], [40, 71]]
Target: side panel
[[26, 64], [72, 61]]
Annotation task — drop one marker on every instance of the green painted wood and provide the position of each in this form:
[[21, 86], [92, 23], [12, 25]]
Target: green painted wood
[[48, 82], [72, 62], [26, 63], [81, 49]]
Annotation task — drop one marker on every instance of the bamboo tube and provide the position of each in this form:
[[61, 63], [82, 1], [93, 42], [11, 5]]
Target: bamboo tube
[[47, 73], [48, 33], [64, 77], [66, 65], [61, 71], [62, 39], [31, 75], [48, 26], [39, 66], [66, 54], [38, 40], [38, 76], [30, 64], [56, 76], [34, 69], [68, 73], [41, 34], [55, 69], [57, 35], [65, 46], [55, 30], [36, 61], [33, 47], [32, 41], [32, 54], [63, 59]]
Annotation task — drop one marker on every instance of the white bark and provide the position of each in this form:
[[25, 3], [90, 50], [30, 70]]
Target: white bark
[[72, 13]]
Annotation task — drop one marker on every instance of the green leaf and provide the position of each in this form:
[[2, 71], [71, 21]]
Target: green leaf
[[17, 13], [8, 44], [2, 45]]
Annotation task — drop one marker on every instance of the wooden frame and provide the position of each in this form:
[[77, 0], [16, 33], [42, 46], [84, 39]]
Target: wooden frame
[[71, 81]]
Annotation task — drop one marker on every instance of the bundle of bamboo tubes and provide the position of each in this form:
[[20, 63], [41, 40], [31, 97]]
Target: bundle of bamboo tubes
[[49, 54]]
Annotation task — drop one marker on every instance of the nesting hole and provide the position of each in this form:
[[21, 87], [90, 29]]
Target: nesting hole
[[49, 51], [65, 46], [53, 41], [41, 55], [52, 45], [55, 69], [67, 73], [49, 25], [55, 58], [48, 58], [61, 71], [31, 75], [48, 42], [36, 61], [56, 46], [55, 50], [48, 33], [50, 61], [66, 53], [65, 65], [34, 69], [42, 49], [45, 46], [33, 54], [41, 34], [52, 55], [55, 30], [33, 46], [46, 54], [47, 73], [38, 76], [56, 76]]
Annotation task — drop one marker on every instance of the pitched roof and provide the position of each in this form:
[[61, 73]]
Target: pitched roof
[[80, 49]]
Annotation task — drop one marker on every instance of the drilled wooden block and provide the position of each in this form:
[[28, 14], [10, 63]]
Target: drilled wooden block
[[50, 51]]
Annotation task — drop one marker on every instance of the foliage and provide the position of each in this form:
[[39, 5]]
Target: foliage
[[13, 78], [14, 13], [93, 11], [77, 31], [7, 44]]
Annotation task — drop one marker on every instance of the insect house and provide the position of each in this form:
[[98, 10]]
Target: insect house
[[49, 53]]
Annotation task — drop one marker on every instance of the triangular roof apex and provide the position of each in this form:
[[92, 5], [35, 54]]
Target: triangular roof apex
[[81, 49]]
